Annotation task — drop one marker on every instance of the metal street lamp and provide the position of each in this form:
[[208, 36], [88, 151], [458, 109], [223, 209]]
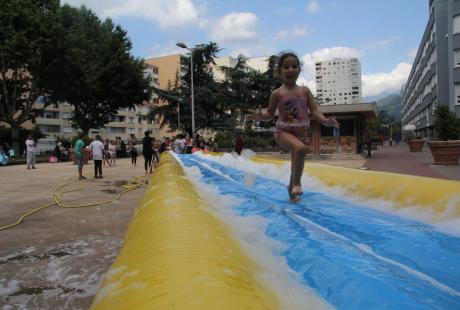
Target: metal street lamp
[[182, 45]]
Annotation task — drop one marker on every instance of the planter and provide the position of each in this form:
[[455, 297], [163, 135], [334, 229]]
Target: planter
[[445, 152], [416, 145]]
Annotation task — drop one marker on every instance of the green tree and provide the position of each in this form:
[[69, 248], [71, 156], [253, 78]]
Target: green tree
[[28, 59], [446, 123], [209, 113], [99, 75]]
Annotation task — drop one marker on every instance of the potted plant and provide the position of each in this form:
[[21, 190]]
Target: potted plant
[[446, 151], [414, 142]]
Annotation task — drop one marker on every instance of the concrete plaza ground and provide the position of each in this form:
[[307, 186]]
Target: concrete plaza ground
[[56, 258]]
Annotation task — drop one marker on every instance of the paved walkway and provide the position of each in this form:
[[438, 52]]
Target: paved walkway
[[399, 159]]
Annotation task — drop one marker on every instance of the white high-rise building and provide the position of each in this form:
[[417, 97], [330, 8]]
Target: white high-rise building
[[338, 81]]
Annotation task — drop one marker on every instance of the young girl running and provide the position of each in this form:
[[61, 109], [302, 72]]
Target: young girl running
[[293, 103]]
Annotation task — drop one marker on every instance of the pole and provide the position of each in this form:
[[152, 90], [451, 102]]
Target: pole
[[193, 98]]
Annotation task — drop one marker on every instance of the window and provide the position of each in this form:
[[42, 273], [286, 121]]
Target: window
[[457, 58], [66, 115], [49, 128], [117, 130], [66, 129], [457, 93], [117, 118], [456, 23], [50, 114]]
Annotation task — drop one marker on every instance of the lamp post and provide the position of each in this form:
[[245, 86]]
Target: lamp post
[[182, 45]]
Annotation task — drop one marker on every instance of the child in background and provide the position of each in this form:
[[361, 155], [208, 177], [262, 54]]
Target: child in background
[[293, 102]]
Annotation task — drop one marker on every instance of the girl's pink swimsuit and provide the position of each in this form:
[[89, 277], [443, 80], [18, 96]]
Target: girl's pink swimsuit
[[293, 117]]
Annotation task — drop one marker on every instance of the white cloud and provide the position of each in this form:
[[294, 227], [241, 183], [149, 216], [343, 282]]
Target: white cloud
[[312, 6], [380, 83], [382, 43], [299, 31], [235, 27], [166, 13], [170, 48]]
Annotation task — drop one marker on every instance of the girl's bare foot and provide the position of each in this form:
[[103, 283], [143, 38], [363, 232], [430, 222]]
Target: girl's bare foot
[[296, 190]]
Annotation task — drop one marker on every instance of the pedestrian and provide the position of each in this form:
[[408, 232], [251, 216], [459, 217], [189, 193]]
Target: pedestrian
[[293, 103], [369, 147], [156, 146], [165, 145], [3, 157], [112, 152], [118, 147], [239, 143], [133, 149], [31, 148], [147, 151], [10, 151], [97, 150], [79, 145], [179, 144]]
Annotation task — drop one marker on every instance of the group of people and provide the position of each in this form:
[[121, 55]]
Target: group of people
[[294, 103]]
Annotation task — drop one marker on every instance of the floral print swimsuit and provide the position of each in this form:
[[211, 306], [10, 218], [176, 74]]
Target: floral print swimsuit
[[293, 117]]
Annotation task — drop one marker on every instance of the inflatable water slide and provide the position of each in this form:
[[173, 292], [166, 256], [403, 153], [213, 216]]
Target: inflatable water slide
[[218, 232]]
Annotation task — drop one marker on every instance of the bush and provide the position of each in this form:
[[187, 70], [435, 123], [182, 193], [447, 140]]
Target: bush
[[224, 139], [446, 124]]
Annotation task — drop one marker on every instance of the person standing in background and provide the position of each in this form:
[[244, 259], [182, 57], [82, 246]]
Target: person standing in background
[[30, 146], [239, 143], [97, 149], [133, 150], [80, 161], [147, 151]]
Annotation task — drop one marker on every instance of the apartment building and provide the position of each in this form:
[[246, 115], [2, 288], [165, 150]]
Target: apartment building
[[435, 75], [55, 120], [338, 81]]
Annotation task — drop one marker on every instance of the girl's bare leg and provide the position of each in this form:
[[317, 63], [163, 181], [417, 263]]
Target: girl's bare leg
[[298, 150]]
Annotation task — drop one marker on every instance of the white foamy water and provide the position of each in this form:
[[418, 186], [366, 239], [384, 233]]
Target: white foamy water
[[445, 221], [249, 232]]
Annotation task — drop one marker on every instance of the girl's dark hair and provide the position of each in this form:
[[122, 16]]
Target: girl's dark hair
[[283, 58]]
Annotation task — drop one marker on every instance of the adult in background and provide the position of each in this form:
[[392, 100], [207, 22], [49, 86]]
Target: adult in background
[[165, 145], [239, 143], [97, 150], [147, 151], [133, 149], [79, 145], [179, 144], [118, 147], [30, 147]]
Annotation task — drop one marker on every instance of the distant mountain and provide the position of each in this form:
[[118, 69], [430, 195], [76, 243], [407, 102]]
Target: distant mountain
[[391, 104]]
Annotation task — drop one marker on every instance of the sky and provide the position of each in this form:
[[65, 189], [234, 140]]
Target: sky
[[384, 35]]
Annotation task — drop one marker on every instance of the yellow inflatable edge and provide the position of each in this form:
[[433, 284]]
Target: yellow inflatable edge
[[177, 255], [439, 195]]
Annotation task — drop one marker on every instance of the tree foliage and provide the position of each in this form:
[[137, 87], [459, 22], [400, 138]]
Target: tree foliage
[[28, 58], [64, 54], [219, 105], [100, 76], [446, 123]]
